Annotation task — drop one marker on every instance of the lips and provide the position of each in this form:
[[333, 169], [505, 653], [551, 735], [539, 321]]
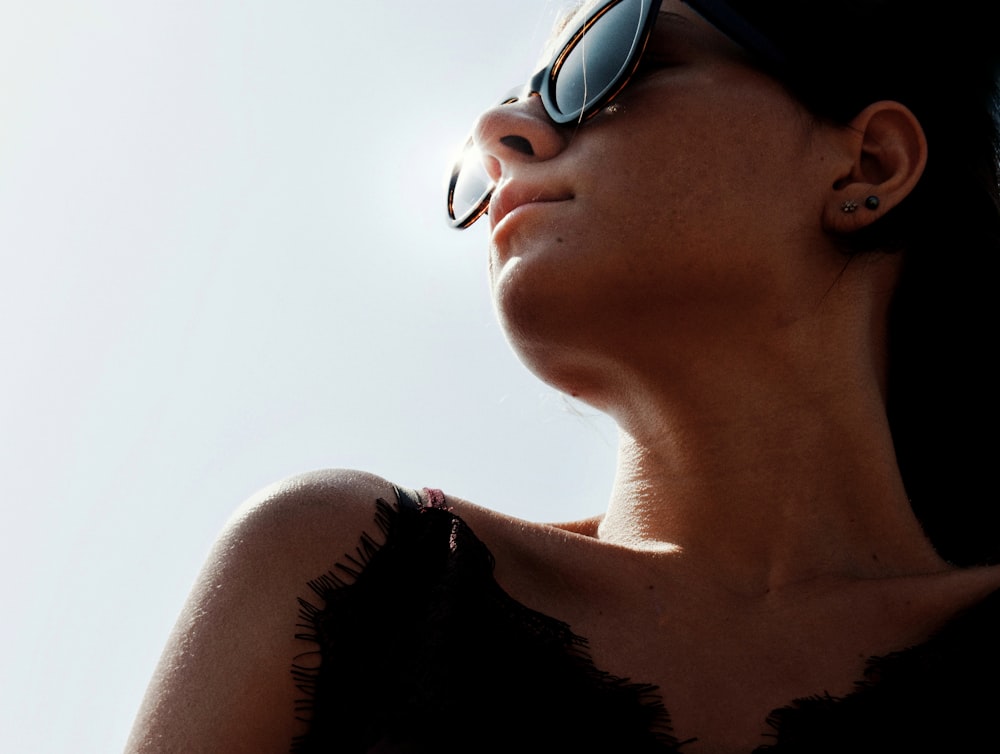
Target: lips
[[509, 196]]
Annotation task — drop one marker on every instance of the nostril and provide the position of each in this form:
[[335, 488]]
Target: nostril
[[518, 144]]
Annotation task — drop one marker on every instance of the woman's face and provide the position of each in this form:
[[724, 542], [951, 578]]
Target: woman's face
[[682, 211]]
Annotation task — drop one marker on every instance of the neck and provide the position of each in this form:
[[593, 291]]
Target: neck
[[766, 490]]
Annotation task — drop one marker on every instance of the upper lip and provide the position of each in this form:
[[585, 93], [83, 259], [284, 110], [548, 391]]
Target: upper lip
[[509, 196]]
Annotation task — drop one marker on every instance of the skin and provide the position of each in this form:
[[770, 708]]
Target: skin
[[758, 545], [718, 318]]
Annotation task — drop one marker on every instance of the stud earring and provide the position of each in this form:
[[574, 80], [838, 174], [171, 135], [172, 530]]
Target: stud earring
[[871, 202], [849, 206]]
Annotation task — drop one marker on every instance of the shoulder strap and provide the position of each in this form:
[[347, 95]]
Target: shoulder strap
[[407, 498]]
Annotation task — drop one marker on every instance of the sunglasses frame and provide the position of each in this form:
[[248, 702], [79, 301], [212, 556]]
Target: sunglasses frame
[[542, 83]]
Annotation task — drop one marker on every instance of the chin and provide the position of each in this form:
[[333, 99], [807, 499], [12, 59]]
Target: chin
[[551, 299], [566, 372]]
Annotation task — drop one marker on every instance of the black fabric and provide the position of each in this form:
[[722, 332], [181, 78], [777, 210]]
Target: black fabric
[[419, 651]]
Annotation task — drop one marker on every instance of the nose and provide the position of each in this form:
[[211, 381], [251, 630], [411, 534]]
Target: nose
[[518, 132]]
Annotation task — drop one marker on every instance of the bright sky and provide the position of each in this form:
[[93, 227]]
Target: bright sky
[[224, 261]]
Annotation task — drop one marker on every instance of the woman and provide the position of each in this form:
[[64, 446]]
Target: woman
[[758, 236]]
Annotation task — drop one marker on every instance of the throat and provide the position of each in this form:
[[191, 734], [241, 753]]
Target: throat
[[764, 527]]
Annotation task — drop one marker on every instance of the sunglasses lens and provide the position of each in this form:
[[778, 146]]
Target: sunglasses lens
[[597, 58], [590, 69], [470, 187]]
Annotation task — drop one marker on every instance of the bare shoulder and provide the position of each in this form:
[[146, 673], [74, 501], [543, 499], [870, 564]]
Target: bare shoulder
[[318, 508], [500, 527], [539, 563], [294, 530], [331, 493], [963, 588], [925, 604], [224, 682]]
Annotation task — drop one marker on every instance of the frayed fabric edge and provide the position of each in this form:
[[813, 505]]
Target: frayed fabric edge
[[344, 572]]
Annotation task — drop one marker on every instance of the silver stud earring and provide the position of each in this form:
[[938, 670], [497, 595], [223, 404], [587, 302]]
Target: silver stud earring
[[849, 206]]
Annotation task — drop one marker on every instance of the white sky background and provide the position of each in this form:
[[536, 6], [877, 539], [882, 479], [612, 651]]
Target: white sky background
[[224, 261]]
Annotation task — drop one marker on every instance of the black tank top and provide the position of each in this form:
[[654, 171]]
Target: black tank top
[[419, 651]]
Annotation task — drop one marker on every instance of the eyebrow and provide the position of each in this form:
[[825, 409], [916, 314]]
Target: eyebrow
[[673, 29], [563, 21], [674, 15], [566, 16], [671, 17], [571, 14]]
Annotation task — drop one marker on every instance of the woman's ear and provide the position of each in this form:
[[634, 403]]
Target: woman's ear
[[887, 152]]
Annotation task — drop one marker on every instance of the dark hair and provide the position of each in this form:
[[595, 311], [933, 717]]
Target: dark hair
[[943, 65]]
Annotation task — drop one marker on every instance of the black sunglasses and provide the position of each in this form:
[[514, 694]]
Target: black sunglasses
[[593, 63]]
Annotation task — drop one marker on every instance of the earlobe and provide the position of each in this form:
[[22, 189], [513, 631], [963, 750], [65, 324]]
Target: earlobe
[[887, 155]]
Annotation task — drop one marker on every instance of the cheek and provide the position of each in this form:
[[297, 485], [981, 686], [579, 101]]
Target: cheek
[[719, 159], [670, 225]]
